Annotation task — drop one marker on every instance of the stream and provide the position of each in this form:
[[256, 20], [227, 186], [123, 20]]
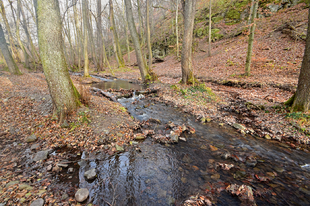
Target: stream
[[159, 174]]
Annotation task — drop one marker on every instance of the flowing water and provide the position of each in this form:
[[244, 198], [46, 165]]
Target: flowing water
[[159, 174]]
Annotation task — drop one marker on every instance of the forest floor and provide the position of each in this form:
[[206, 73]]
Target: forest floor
[[253, 105], [256, 102]]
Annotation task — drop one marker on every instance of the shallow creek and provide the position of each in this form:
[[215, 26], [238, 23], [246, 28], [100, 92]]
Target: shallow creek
[[169, 174]]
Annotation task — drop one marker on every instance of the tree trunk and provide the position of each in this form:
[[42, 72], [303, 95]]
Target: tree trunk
[[177, 29], [251, 39], [86, 60], [302, 95], [148, 33], [78, 40], [189, 9], [210, 31], [99, 36], [29, 39], [64, 95], [135, 39], [115, 36], [7, 55], [26, 56], [140, 23], [7, 26]]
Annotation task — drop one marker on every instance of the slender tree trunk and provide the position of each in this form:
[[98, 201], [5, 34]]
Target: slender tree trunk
[[86, 60], [7, 55], [302, 96], [210, 28], [116, 40], [99, 36], [251, 40], [140, 23], [135, 38], [189, 9], [126, 34], [177, 28], [148, 33], [29, 39], [78, 36], [26, 56], [64, 95], [7, 26]]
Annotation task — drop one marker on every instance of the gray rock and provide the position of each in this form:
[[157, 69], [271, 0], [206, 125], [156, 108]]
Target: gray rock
[[25, 187], [42, 155], [34, 146], [174, 137], [64, 196], [238, 126], [119, 148], [81, 195], [31, 138], [2, 204], [274, 7], [70, 170], [38, 202], [62, 165], [90, 174]]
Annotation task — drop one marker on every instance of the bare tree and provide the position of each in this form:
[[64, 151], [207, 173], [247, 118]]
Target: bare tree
[[148, 34], [135, 38], [189, 9], [251, 40], [64, 95], [301, 99], [7, 55]]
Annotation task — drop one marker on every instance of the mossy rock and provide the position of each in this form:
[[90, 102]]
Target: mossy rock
[[233, 15]]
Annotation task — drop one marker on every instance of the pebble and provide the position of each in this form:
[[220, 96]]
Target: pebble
[[90, 174], [81, 195], [38, 202]]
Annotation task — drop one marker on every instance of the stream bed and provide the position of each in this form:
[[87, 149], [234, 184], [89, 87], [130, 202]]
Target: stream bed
[[209, 161]]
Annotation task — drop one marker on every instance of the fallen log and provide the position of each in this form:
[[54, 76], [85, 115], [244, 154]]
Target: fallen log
[[105, 94]]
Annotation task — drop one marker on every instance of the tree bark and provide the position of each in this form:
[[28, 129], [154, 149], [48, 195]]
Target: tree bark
[[251, 40], [115, 36], [64, 95], [7, 55], [189, 9], [99, 36], [78, 40], [26, 56], [86, 60], [177, 29], [135, 38], [148, 33], [210, 29], [302, 96]]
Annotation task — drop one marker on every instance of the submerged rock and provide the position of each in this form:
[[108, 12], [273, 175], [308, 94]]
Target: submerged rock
[[81, 195], [90, 174]]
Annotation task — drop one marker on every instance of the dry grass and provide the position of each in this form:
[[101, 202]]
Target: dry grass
[[85, 94]]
